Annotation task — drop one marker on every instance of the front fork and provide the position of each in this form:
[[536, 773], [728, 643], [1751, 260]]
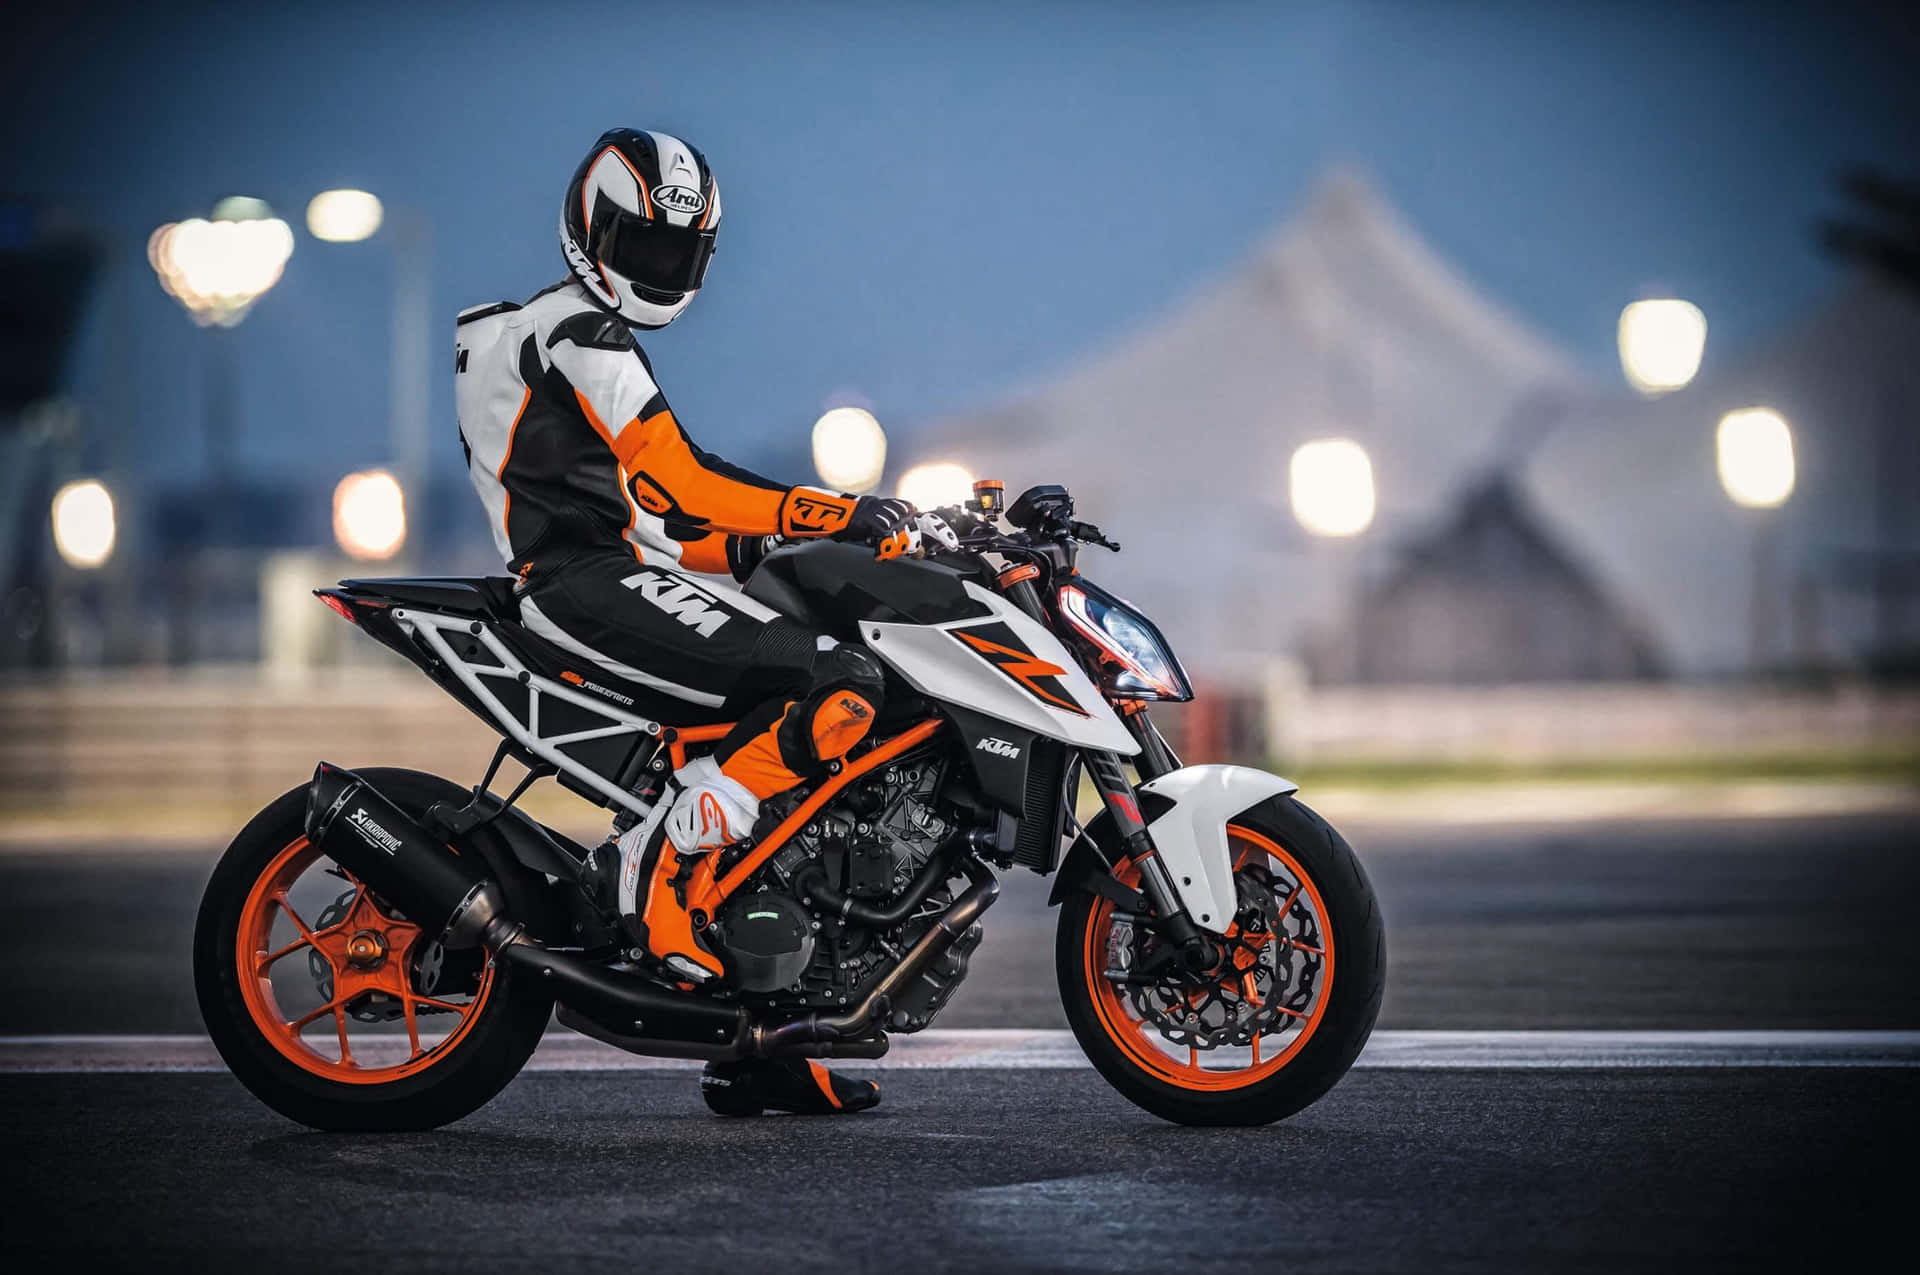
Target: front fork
[[1123, 806]]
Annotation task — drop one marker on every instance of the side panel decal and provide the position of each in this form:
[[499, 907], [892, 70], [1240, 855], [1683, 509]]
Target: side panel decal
[[1002, 649], [1037, 684]]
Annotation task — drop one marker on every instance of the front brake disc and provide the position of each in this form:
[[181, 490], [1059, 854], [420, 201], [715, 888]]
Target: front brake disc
[[1261, 978]]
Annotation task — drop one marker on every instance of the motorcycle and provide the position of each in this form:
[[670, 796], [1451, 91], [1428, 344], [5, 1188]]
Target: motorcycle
[[382, 949]]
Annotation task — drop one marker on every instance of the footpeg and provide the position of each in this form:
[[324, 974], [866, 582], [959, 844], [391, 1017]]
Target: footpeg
[[687, 969]]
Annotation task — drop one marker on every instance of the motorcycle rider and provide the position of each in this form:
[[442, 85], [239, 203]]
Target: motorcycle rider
[[604, 508]]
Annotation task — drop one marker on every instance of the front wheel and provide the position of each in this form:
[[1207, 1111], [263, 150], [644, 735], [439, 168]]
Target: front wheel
[[337, 1011], [1283, 1012]]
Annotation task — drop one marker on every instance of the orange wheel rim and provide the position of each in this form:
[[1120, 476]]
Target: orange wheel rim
[[367, 951], [1186, 1065]]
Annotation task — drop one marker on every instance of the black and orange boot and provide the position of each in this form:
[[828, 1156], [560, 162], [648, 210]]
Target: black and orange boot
[[652, 901], [799, 1085]]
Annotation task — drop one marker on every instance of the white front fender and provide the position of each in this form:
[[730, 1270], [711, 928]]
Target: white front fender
[[1191, 835]]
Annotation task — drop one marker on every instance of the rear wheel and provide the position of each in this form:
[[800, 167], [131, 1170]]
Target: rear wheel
[[1277, 1020], [337, 1011]]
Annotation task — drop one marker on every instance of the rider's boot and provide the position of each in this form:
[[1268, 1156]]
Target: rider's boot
[[799, 1085], [702, 810]]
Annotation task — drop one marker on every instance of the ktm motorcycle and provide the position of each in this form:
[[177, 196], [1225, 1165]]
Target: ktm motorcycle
[[383, 949]]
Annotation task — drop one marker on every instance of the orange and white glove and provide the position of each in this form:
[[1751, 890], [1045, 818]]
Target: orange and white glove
[[885, 523]]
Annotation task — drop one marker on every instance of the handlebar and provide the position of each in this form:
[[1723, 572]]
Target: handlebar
[[978, 535], [1087, 533]]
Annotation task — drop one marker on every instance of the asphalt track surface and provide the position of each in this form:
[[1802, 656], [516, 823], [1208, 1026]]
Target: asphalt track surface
[[1692, 924], [980, 1171], [1689, 926]]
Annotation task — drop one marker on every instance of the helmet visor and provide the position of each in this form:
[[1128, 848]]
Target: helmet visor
[[656, 256]]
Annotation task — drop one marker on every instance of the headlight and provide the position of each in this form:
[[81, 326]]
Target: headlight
[[1136, 661]]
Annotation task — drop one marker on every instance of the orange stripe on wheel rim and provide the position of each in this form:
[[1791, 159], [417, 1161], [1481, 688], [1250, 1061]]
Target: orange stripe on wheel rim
[[1129, 1032], [256, 954]]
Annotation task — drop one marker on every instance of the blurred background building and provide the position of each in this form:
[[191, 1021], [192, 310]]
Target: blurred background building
[[1425, 348], [1523, 519]]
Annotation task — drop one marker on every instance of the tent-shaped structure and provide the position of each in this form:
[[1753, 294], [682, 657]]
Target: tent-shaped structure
[[1342, 323]]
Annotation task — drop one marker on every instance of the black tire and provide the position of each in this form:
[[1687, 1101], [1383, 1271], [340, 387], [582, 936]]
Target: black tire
[[1359, 980], [471, 1072]]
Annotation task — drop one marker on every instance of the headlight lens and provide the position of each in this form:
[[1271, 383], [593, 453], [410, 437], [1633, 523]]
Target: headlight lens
[[1137, 663]]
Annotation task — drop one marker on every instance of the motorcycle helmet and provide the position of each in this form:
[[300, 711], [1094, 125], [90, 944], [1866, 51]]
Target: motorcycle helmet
[[638, 224]]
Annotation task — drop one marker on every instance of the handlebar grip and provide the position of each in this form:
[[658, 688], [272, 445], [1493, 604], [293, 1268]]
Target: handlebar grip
[[1092, 535]]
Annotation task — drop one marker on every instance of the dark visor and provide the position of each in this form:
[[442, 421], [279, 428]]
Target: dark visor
[[656, 256]]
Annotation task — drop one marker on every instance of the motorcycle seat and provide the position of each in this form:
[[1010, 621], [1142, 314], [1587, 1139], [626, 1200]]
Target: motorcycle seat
[[492, 598], [483, 597]]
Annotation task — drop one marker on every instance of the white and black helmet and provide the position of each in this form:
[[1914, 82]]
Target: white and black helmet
[[639, 223]]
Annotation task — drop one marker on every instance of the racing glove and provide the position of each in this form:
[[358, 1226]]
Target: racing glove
[[874, 518], [885, 523], [925, 534]]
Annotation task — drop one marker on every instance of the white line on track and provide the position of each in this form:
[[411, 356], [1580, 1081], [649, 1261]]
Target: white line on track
[[1022, 1050]]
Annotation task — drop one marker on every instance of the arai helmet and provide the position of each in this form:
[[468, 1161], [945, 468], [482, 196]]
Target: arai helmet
[[639, 223]]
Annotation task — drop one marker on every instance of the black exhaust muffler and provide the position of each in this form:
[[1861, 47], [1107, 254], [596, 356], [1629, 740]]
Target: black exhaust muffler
[[445, 893]]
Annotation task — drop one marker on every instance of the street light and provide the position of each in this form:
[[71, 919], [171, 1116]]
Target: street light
[[849, 449], [351, 216], [933, 485], [370, 515], [1330, 485], [217, 269], [83, 523], [1661, 341], [344, 216], [1754, 450]]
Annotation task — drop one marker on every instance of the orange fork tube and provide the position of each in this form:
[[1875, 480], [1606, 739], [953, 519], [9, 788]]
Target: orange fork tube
[[705, 893]]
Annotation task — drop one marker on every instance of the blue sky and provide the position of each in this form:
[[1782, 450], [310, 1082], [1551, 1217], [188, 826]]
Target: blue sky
[[930, 205]]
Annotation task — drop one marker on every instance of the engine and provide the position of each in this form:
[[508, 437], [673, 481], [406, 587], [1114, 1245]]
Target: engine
[[784, 947]]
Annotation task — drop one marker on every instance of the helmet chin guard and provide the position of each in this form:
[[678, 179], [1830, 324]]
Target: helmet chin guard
[[639, 223]]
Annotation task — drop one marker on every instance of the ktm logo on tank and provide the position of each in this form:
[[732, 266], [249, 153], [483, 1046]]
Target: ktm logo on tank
[[680, 598], [680, 199]]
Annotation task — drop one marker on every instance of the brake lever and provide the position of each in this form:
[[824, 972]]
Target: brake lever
[[1086, 531]]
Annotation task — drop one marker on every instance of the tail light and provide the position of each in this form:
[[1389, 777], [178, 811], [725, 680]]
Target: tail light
[[338, 605]]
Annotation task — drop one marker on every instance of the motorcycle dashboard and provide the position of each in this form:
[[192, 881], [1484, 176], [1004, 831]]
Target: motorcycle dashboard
[[1040, 505]]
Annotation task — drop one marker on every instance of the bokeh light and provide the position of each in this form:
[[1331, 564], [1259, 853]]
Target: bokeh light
[[344, 216], [849, 449], [83, 523], [242, 208], [217, 269], [1754, 448], [1330, 484], [370, 515], [934, 485], [1661, 341]]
